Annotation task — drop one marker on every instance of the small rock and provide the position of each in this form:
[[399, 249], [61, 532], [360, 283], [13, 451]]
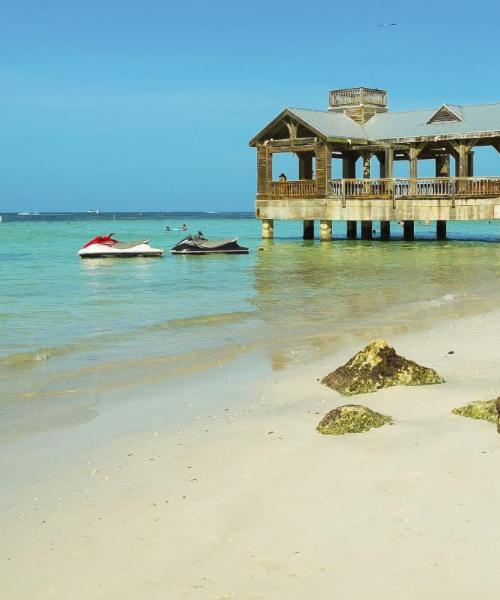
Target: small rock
[[486, 410], [351, 418], [375, 367]]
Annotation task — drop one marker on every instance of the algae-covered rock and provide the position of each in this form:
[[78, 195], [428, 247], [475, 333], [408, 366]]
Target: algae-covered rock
[[487, 410], [351, 418], [378, 366]]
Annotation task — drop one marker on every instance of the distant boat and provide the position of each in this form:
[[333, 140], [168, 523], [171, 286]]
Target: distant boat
[[24, 213], [96, 211]]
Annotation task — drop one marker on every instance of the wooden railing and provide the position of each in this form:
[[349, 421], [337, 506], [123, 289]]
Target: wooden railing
[[305, 188], [422, 187], [354, 96]]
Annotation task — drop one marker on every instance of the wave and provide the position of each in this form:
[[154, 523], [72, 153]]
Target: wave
[[434, 302], [33, 357], [213, 319]]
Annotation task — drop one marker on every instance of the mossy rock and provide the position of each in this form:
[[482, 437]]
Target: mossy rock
[[487, 410], [378, 366], [351, 418]]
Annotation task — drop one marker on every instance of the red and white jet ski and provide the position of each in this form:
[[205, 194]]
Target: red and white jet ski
[[104, 246]]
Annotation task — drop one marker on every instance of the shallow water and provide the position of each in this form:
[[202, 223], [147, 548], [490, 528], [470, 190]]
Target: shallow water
[[74, 329]]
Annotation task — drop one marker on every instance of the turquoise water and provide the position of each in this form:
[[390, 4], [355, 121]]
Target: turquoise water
[[72, 329]]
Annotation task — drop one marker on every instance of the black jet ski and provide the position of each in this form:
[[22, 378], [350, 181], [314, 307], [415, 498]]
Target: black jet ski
[[200, 245]]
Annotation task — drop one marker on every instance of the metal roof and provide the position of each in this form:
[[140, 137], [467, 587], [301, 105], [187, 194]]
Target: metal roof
[[330, 124], [401, 126], [398, 125]]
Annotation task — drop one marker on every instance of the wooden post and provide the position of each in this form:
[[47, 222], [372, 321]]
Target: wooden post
[[409, 230], [308, 230], [349, 172], [412, 186], [385, 230], [305, 165], [366, 226], [389, 163], [470, 165], [264, 171], [413, 163], [442, 170], [441, 230], [267, 229], [325, 231], [323, 168], [367, 165], [352, 230]]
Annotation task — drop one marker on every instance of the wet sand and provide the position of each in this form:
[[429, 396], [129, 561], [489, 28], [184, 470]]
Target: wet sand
[[245, 500]]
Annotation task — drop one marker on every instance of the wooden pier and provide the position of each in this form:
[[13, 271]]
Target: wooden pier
[[358, 127]]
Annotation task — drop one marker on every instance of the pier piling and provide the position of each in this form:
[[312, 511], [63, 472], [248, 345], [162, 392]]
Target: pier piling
[[308, 230], [325, 231], [352, 230], [385, 230], [440, 230], [267, 229], [408, 230], [366, 230]]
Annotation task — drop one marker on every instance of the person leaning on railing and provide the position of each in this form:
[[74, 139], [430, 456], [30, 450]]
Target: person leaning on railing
[[282, 184]]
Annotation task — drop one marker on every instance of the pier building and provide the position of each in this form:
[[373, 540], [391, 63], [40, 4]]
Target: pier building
[[358, 130]]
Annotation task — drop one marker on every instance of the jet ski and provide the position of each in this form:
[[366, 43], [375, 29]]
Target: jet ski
[[200, 245], [104, 246]]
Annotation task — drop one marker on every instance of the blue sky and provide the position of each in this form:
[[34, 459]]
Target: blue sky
[[128, 105]]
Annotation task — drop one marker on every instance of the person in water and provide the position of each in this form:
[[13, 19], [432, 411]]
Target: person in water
[[184, 227], [167, 228]]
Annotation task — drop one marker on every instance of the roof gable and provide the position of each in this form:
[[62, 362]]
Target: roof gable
[[323, 124], [446, 113]]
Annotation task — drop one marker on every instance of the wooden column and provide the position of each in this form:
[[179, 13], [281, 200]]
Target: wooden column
[[414, 162], [325, 231], [323, 168], [308, 230], [267, 229], [305, 165], [408, 230], [387, 172], [442, 170], [264, 171], [389, 163], [367, 165], [366, 226], [415, 151], [470, 165], [349, 172]]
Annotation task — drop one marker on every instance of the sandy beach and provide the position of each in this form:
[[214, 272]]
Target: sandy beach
[[245, 500]]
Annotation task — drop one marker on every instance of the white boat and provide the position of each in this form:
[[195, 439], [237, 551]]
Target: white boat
[[104, 246], [95, 211], [23, 213]]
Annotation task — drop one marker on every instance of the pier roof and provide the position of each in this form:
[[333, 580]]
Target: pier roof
[[472, 119], [447, 121]]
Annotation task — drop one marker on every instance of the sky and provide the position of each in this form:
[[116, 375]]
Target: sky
[[128, 105]]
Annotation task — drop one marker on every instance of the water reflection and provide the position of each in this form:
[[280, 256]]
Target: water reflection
[[310, 296]]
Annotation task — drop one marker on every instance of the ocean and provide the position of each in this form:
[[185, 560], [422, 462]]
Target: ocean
[[73, 330]]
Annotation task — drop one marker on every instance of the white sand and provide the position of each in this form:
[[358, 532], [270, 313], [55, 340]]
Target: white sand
[[252, 503]]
